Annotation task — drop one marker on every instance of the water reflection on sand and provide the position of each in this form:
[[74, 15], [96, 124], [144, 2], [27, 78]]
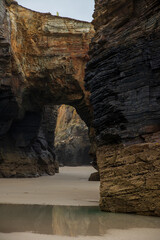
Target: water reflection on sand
[[68, 220]]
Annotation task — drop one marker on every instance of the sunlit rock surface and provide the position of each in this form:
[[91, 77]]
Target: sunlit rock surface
[[42, 62], [71, 138], [123, 77]]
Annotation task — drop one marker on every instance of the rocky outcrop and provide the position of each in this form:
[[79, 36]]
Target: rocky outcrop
[[72, 143], [123, 76], [94, 176], [26, 149], [42, 61]]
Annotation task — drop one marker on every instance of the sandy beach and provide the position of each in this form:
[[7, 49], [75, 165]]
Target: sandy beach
[[129, 234], [69, 187]]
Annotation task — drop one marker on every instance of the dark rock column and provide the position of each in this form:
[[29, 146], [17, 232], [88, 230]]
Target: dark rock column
[[123, 76], [26, 150]]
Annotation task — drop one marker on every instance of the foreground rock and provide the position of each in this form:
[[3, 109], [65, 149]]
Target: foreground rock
[[123, 77], [72, 143], [42, 61], [94, 177]]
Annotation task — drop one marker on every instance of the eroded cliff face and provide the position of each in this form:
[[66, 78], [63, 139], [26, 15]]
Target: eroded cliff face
[[72, 143], [123, 76], [50, 53], [42, 61]]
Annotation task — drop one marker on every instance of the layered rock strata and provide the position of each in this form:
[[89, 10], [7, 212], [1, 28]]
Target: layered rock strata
[[42, 62], [123, 76], [26, 149], [72, 143]]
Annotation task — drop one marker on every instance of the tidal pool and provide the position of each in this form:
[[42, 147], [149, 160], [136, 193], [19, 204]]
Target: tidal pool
[[74, 222]]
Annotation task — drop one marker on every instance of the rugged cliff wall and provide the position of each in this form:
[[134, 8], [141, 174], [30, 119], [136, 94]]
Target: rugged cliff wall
[[123, 77], [42, 62], [72, 143]]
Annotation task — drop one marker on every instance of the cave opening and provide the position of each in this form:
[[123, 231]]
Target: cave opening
[[42, 139]]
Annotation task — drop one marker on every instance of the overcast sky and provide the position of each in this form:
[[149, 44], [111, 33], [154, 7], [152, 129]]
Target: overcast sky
[[78, 9]]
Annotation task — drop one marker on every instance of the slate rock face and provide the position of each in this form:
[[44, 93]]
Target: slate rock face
[[42, 63], [26, 149], [72, 143], [123, 76]]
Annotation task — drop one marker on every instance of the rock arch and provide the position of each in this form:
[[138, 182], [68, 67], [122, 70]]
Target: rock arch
[[44, 59]]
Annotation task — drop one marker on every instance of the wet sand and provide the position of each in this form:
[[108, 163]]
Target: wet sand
[[115, 234], [69, 187]]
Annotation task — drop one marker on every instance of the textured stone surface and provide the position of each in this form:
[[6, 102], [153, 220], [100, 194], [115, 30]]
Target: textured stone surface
[[50, 53], [71, 138], [42, 61], [26, 149], [123, 76], [130, 178]]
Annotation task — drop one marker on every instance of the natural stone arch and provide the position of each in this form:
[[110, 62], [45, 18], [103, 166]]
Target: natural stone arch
[[50, 55], [46, 66]]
